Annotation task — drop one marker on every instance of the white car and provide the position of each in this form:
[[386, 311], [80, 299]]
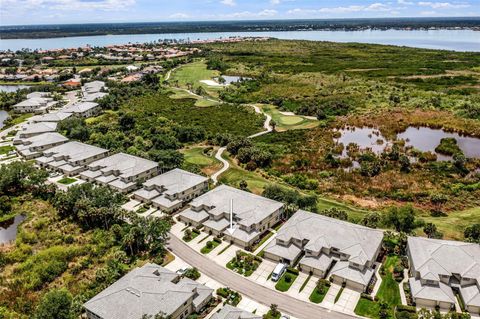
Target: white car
[[278, 271]]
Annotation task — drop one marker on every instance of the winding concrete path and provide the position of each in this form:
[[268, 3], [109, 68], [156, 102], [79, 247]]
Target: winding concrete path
[[226, 165], [266, 125], [266, 296]]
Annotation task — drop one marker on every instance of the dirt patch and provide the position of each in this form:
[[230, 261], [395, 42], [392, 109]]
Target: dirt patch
[[362, 202]]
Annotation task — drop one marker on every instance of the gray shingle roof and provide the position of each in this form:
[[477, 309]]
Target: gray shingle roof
[[230, 312], [434, 257], [359, 242], [176, 181], [248, 208], [75, 151], [148, 290], [126, 165]]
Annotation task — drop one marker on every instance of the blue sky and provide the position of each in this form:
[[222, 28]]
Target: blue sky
[[78, 11]]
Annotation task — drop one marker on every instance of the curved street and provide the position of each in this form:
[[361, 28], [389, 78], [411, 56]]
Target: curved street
[[295, 307]]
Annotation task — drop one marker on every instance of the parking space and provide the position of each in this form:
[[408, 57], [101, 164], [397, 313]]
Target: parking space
[[252, 306], [131, 204], [262, 274], [199, 242], [308, 289], [148, 212], [348, 301], [226, 256], [329, 300], [214, 253], [294, 290], [176, 229]]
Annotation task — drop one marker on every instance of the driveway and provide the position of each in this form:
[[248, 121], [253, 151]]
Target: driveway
[[329, 300], [262, 273], [131, 205], [256, 291], [347, 302]]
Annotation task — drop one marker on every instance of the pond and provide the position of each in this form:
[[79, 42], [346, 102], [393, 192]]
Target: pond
[[3, 117], [424, 139], [427, 139], [12, 88], [364, 137], [8, 228], [229, 79]]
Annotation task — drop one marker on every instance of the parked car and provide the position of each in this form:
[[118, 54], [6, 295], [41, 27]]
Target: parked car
[[285, 317], [278, 271]]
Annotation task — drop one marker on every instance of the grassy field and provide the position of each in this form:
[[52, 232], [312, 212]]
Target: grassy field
[[188, 76], [179, 94], [453, 225], [288, 122], [202, 157]]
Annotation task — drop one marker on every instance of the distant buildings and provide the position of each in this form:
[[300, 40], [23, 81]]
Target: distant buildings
[[148, 291], [34, 146], [53, 117], [440, 269], [328, 247], [83, 109], [171, 190], [36, 102], [253, 215], [120, 171]]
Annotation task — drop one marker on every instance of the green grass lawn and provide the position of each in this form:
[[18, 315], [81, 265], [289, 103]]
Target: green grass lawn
[[317, 296], [389, 291], [283, 283], [192, 73], [453, 225], [209, 247], [67, 180], [367, 308], [196, 155], [194, 234], [288, 122], [5, 149]]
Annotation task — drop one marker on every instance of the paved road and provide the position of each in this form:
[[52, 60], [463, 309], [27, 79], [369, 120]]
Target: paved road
[[261, 294], [225, 163]]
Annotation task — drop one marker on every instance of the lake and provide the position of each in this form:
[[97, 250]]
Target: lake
[[424, 139], [12, 88], [8, 228], [3, 117], [456, 40]]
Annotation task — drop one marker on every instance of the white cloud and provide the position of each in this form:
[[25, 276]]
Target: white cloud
[[230, 3], [274, 2], [179, 15], [376, 7], [267, 13], [71, 5], [442, 5], [405, 2], [247, 14]]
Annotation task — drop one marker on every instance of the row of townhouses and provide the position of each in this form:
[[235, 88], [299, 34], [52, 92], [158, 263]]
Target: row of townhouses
[[343, 252], [152, 290]]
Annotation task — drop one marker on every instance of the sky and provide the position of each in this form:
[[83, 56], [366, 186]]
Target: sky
[[17, 12]]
